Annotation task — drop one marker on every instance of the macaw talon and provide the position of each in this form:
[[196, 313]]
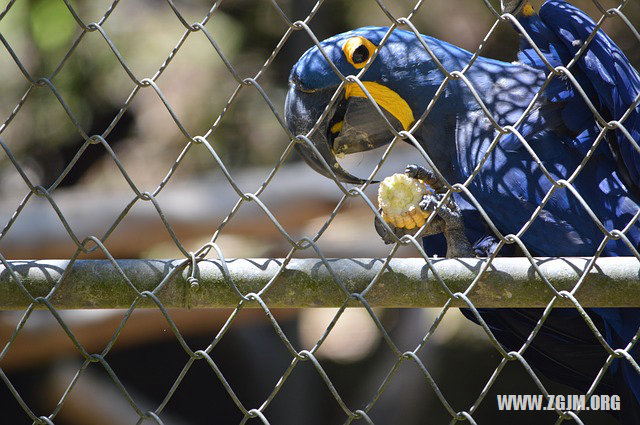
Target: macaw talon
[[447, 221], [421, 173], [486, 246], [429, 204], [447, 218], [450, 223], [387, 237]]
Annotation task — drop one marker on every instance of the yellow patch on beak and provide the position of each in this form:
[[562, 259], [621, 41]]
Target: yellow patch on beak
[[386, 98], [527, 10], [337, 127]]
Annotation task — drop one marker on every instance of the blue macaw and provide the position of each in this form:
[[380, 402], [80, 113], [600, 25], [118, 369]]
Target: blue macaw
[[403, 78]]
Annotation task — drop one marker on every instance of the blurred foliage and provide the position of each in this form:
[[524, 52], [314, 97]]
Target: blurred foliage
[[50, 25], [197, 84]]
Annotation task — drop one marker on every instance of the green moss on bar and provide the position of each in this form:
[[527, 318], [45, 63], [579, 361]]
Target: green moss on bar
[[407, 282]]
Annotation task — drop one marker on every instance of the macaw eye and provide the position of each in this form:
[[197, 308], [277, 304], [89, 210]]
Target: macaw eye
[[358, 50], [361, 54]]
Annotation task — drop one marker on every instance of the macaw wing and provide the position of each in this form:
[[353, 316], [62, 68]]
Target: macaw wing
[[544, 39], [615, 83], [561, 112]]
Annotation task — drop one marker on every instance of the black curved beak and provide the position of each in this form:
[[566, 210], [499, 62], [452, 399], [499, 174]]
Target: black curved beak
[[351, 125]]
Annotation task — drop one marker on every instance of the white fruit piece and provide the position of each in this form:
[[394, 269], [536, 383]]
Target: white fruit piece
[[399, 196]]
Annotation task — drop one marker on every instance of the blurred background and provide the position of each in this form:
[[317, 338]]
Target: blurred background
[[147, 358]]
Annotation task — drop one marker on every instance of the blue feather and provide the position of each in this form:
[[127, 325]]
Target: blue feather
[[615, 82], [510, 185]]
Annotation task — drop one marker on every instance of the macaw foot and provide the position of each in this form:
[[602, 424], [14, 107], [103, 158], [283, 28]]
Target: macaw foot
[[419, 172], [448, 218], [449, 222], [387, 237]]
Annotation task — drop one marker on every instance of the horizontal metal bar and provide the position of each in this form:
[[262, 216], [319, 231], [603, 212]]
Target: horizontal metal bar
[[407, 282]]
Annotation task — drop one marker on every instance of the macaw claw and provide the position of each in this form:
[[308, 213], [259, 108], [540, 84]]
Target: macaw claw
[[447, 211], [387, 237], [452, 224], [448, 216], [421, 173]]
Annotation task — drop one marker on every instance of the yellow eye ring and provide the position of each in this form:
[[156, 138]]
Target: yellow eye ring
[[358, 50]]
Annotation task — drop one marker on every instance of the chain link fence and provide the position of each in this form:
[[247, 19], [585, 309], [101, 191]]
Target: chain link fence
[[203, 277]]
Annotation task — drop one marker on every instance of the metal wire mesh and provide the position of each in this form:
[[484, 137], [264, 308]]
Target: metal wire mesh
[[190, 259]]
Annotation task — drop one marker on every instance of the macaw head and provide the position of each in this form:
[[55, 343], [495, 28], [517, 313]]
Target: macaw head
[[401, 79]]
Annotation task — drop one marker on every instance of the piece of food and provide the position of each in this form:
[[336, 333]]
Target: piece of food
[[399, 197]]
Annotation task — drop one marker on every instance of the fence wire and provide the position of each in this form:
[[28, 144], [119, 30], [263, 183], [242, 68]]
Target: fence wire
[[191, 259]]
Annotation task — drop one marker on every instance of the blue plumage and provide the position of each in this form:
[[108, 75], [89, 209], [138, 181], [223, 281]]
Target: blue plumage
[[603, 71], [510, 185]]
